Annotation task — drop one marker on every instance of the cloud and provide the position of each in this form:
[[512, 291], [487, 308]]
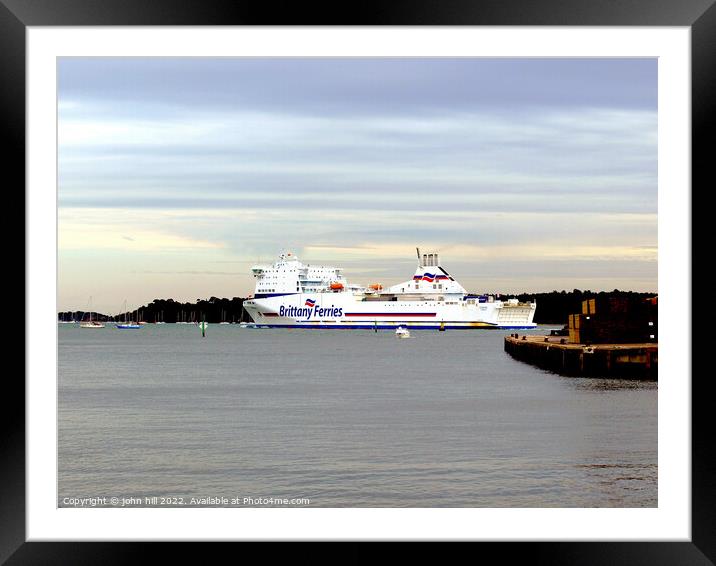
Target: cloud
[[358, 86], [605, 159], [503, 165], [96, 230], [564, 251]]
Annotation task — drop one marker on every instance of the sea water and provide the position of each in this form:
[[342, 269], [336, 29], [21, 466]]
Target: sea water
[[254, 417]]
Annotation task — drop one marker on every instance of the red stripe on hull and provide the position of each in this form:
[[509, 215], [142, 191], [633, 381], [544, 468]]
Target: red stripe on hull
[[401, 314]]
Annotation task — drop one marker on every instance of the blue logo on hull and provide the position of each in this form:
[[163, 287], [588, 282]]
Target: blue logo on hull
[[311, 310]]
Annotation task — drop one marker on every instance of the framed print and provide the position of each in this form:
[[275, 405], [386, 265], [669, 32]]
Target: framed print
[[280, 167]]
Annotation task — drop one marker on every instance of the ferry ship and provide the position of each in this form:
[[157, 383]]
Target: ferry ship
[[291, 294]]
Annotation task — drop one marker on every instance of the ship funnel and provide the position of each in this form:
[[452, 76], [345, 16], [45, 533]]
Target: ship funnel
[[430, 259]]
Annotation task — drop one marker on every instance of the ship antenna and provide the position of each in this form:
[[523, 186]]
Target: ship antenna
[[418, 252]]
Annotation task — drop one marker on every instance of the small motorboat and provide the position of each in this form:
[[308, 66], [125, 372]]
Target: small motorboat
[[402, 332]]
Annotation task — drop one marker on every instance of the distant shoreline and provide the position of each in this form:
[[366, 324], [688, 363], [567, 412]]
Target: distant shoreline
[[552, 308]]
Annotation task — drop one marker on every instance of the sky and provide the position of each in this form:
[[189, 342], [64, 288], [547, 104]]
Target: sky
[[176, 175]]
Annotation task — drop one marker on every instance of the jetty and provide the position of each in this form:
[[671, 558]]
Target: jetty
[[554, 353], [614, 339]]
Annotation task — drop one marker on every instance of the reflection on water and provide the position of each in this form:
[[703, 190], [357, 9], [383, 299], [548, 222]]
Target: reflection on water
[[598, 384], [345, 419]]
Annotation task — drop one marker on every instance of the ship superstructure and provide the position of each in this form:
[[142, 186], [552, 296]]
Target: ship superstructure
[[292, 294]]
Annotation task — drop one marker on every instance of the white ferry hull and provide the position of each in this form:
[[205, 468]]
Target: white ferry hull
[[291, 294], [346, 311]]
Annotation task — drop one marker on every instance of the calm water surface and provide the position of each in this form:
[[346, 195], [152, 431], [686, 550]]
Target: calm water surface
[[344, 419]]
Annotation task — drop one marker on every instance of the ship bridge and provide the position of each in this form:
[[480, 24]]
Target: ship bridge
[[289, 275]]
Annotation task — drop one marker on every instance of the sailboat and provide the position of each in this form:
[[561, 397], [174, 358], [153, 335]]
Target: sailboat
[[91, 323], [127, 325], [64, 319]]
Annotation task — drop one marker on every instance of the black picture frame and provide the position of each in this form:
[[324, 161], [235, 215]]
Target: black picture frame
[[17, 15]]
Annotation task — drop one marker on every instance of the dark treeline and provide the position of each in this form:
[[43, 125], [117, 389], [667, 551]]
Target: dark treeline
[[555, 307], [211, 310], [552, 308]]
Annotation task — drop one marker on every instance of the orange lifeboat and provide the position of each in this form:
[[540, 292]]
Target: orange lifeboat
[[335, 286], [376, 287]]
